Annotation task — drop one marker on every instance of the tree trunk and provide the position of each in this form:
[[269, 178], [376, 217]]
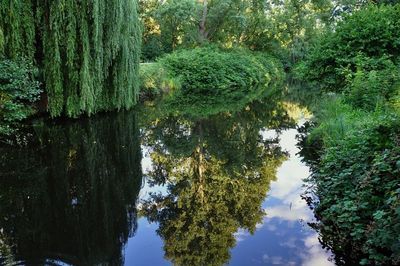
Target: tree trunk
[[202, 25]]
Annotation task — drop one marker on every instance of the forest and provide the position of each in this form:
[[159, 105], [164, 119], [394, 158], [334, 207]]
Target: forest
[[86, 85]]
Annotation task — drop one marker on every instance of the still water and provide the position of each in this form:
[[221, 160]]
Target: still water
[[149, 187]]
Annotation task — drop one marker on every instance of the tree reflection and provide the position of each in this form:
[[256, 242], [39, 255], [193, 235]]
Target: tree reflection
[[70, 195], [218, 170]]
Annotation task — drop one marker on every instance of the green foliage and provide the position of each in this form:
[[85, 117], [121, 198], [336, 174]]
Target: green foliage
[[354, 146], [355, 156], [283, 28], [152, 48], [372, 32], [87, 51], [212, 78], [357, 133], [395, 101], [358, 190], [1, 41], [18, 90], [155, 80], [372, 84], [177, 20], [168, 25], [17, 29], [335, 120]]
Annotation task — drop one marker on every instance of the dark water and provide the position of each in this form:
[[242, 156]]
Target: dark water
[[150, 188]]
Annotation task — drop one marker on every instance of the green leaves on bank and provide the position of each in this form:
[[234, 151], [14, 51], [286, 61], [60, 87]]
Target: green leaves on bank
[[210, 79], [357, 131]]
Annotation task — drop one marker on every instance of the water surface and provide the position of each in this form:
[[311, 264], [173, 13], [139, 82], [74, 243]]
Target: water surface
[[148, 187]]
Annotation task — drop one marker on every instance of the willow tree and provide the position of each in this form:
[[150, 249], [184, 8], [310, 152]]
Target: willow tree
[[87, 51]]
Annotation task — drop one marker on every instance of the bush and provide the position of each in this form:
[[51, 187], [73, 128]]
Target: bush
[[155, 80], [354, 154], [358, 194], [353, 146], [373, 32], [372, 84], [213, 80], [18, 90]]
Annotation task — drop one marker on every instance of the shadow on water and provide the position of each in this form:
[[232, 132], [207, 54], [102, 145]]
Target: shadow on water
[[69, 195]]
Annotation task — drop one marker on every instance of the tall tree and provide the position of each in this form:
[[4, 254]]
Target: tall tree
[[88, 50]]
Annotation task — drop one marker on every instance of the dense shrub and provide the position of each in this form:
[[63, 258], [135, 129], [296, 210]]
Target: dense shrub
[[373, 32], [372, 84], [18, 90], [356, 182], [353, 146], [212, 79]]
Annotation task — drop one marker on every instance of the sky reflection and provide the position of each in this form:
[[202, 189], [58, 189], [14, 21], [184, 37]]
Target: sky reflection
[[283, 237]]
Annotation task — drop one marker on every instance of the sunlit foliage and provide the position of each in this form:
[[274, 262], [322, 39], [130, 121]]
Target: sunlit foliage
[[370, 34], [213, 80]]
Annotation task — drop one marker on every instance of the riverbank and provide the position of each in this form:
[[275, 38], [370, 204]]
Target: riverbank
[[353, 143]]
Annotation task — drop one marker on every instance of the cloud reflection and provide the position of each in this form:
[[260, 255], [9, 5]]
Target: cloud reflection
[[285, 208], [316, 256]]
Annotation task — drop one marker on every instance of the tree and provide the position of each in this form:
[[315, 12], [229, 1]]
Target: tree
[[176, 24], [88, 51]]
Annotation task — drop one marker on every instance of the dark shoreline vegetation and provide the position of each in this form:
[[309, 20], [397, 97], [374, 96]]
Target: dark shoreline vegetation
[[201, 60]]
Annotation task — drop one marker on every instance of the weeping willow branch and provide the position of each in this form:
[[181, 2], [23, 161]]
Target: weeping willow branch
[[87, 51]]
